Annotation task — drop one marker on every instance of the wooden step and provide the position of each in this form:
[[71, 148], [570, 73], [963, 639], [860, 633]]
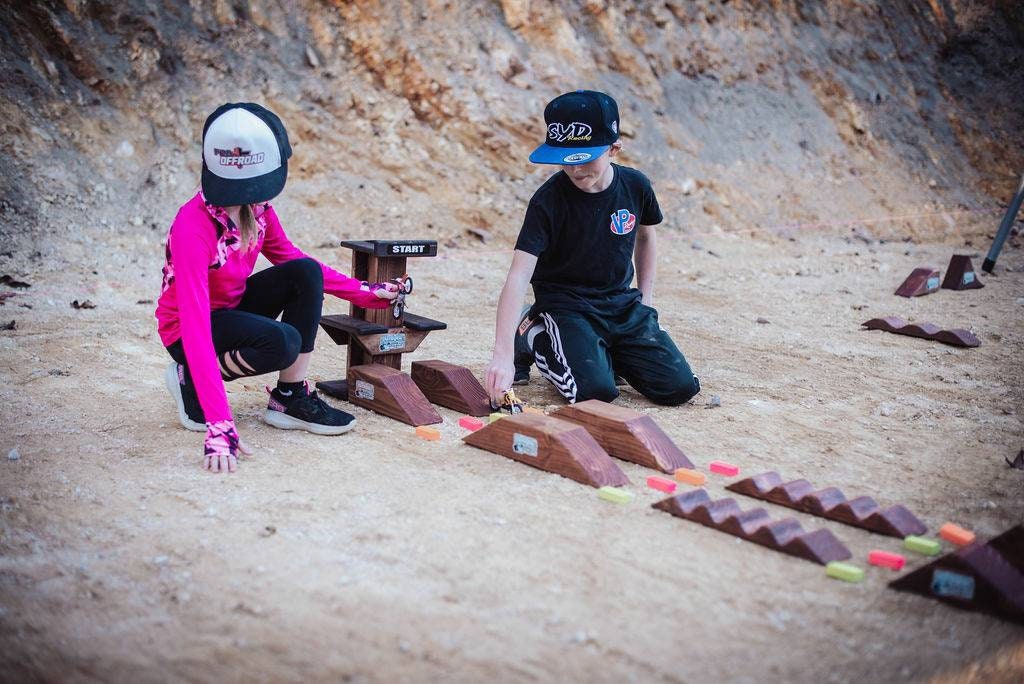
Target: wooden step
[[341, 326]]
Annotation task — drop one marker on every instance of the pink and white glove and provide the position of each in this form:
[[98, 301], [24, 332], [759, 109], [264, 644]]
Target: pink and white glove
[[382, 290], [220, 451]]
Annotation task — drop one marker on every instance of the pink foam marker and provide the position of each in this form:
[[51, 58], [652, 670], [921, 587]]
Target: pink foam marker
[[886, 559], [723, 468], [470, 423], [660, 483]]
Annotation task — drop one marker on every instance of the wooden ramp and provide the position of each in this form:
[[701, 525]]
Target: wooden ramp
[[557, 446], [627, 434], [982, 576], [390, 392], [451, 386], [921, 281]]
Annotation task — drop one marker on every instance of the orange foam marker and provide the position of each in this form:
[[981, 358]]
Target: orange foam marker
[[660, 483], [956, 534], [530, 409], [470, 423], [723, 468], [428, 433], [886, 559], [691, 477]]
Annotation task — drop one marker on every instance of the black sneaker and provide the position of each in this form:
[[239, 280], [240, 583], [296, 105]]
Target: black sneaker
[[522, 355], [308, 413], [190, 413]]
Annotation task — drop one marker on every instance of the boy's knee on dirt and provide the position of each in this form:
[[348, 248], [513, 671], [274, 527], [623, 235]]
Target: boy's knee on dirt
[[596, 383], [673, 392]]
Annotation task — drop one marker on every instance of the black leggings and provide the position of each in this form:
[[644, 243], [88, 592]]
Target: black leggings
[[250, 334]]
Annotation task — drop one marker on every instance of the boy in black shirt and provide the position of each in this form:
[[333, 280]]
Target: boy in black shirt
[[576, 247]]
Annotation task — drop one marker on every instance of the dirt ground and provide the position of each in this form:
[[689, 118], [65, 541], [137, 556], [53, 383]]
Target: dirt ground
[[375, 556]]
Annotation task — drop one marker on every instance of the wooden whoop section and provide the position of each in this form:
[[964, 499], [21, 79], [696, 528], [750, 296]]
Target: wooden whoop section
[[957, 337], [627, 434], [551, 444], [830, 503], [786, 535]]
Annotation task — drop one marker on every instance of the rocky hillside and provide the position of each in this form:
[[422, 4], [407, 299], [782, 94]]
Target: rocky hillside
[[416, 118]]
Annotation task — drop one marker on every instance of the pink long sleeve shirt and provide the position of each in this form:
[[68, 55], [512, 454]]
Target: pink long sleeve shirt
[[206, 268]]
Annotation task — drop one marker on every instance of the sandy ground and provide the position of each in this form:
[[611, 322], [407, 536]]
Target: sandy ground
[[378, 557]]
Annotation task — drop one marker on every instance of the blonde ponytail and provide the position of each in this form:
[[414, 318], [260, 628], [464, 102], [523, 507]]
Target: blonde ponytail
[[247, 227]]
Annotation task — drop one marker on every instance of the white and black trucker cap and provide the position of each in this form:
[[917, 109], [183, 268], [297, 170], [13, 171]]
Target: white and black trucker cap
[[245, 155]]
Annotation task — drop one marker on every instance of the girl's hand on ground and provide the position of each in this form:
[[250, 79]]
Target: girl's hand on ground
[[499, 377], [222, 446]]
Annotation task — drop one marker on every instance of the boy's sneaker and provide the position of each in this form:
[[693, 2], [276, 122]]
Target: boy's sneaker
[[522, 355], [190, 413], [308, 412]]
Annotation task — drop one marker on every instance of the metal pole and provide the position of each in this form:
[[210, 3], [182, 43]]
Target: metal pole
[[1004, 229]]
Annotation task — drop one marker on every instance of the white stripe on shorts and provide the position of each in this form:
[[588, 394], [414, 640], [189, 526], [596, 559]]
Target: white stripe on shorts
[[564, 382]]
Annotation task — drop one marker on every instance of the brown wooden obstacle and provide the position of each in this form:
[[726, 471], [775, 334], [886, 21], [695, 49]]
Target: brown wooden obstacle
[[921, 281], [627, 434], [957, 337], [960, 274], [381, 336], [391, 392], [551, 444], [982, 576], [819, 546], [452, 386], [1017, 462], [830, 503]]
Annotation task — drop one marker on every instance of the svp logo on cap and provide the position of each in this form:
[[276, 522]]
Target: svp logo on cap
[[623, 222], [573, 132]]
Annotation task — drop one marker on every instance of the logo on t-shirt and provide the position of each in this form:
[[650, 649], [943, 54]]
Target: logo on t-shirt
[[623, 222]]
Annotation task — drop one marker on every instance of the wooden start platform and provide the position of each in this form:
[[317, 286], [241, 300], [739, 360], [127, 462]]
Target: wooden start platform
[[379, 337]]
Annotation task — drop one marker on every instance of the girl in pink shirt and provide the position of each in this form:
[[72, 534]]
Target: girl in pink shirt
[[218, 319]]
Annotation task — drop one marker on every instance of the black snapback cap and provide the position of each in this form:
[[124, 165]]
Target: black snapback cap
[[581, 125]]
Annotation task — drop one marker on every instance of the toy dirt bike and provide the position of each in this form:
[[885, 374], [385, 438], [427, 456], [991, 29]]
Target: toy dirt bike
[[404, 288], [509, 403]]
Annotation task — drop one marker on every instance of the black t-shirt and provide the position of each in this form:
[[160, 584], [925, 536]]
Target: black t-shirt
[[584, 242]]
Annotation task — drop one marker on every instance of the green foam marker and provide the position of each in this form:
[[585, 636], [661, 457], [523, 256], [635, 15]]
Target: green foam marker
[[928, 547], [844, 571], [615, 495]]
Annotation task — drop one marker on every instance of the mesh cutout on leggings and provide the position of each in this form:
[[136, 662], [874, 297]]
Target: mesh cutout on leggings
[[227, 373]]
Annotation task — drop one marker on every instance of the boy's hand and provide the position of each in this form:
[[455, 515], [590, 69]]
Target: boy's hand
[[499, 375]]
